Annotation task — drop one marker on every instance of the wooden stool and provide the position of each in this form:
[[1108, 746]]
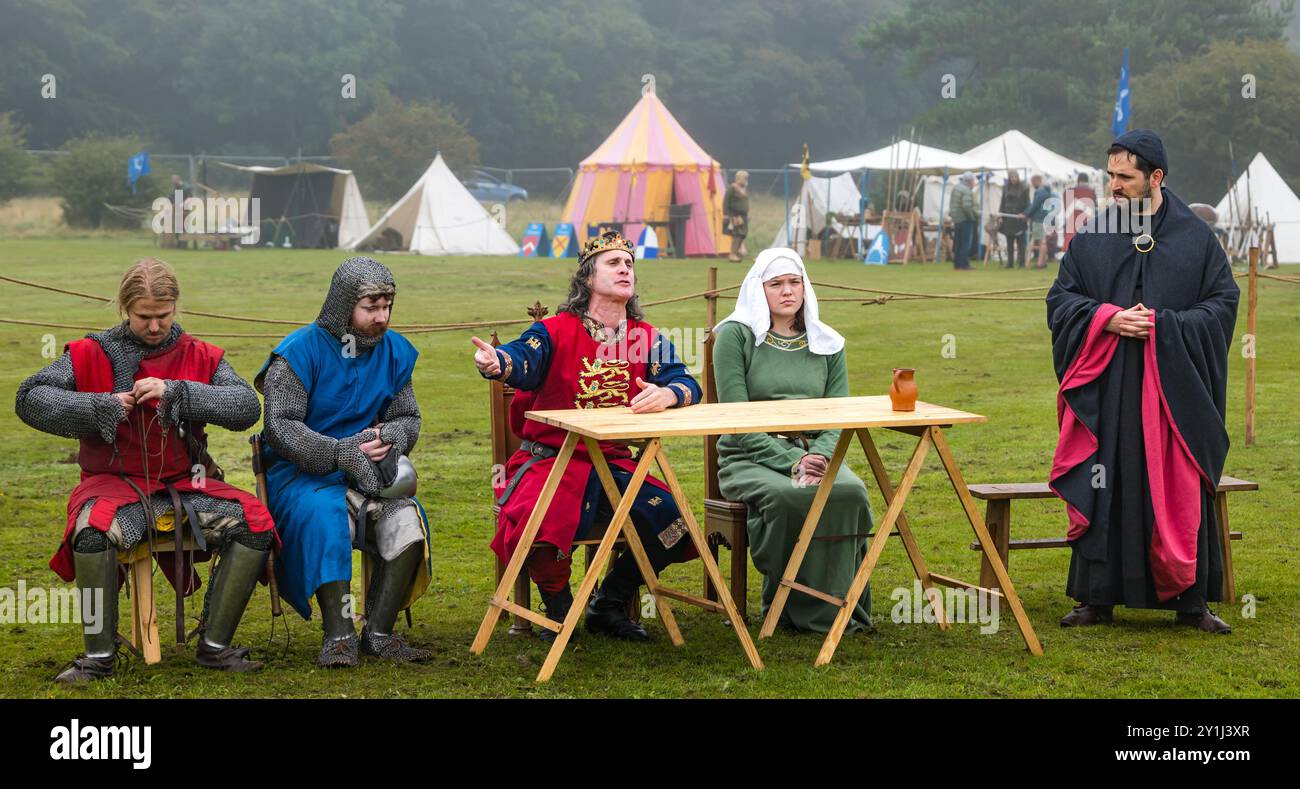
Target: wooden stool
[[144, 613], [139, 568]]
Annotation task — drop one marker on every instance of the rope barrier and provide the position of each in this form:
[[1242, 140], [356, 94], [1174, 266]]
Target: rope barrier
[[982, 294], [413, 328], [101, 328], [882, 297], [1280, 278]]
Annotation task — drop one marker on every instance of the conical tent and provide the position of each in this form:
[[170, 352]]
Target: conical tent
[[647, 164], [438, 216], [1261, 196]]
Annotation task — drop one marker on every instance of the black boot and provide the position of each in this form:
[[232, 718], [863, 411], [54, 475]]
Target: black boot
[[1204, 620], [1084, 615], [557, 607], [607, 611]]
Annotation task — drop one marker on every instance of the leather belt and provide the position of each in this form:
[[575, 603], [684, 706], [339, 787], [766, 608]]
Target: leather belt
[[178, 563], [179, 507], [538, 451]]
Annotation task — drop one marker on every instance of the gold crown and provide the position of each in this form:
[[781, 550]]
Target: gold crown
[[610, 239]]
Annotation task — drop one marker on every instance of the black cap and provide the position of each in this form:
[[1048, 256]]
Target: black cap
[[1147, 144]]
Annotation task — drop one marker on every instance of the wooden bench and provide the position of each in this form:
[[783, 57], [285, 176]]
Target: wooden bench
[[997, 515]]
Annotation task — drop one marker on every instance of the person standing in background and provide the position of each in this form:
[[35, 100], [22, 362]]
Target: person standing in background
[[1015, 199], [735, 209], [964, 217], [1036, 214]]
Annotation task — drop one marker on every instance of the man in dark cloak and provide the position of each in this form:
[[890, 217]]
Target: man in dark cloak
[[1142, 314]]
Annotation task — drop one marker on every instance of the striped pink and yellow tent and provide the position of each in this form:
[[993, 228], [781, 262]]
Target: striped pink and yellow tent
[[648, 163]]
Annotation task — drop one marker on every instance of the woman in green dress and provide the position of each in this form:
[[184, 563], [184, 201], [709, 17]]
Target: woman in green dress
[[773, 347]]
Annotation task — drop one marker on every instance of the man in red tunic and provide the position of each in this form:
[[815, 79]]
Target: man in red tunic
[[139, 396], [597, 352]]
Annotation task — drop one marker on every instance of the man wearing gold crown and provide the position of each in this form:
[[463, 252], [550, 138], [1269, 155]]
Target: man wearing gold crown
[[597, 352]]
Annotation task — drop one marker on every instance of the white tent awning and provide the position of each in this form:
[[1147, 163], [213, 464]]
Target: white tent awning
[[903, 155], [1017, 150]]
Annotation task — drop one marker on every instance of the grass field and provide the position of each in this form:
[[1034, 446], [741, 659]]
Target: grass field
[[1002, 368]]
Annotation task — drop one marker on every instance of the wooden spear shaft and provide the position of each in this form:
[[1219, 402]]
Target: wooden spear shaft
[[1252, 302]]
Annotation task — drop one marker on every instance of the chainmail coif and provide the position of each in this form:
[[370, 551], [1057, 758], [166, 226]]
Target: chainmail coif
[[354, 280]]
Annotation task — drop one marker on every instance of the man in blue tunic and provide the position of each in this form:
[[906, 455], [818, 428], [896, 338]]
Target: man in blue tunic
[[340, 419]]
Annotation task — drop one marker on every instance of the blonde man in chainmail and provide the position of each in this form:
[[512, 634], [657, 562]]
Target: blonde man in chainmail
[[138, 397]]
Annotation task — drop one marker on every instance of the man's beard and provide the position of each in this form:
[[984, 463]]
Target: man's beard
[[1141, 205], [372, 333]]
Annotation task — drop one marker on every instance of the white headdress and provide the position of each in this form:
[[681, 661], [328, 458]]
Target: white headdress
[[751, 304]]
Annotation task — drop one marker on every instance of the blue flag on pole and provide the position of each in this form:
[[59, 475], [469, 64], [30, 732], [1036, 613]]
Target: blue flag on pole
[[136, 166], [1123, 101]]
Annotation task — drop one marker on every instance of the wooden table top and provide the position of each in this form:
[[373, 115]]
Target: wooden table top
[[768, 416]]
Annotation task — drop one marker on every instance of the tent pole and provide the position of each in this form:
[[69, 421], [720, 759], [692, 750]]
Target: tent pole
[[938, 236], [1024, 234], [785, 177], [1252, 304], [829, 213], [863, 200]]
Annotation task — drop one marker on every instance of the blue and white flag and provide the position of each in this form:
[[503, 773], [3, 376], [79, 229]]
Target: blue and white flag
[[136, 166], [1123, 101], [647, 245]]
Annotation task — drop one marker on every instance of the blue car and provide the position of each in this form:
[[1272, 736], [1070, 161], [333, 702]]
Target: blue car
[[487, 188]]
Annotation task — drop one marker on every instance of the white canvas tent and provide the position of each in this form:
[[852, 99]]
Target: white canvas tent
[[1016, 150], [903, 155], [318, 206], [438, 216], [1261, 195], [817, 198]]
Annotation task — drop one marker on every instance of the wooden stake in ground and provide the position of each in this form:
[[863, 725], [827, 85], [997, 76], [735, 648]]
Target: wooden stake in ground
[[1252, 301]]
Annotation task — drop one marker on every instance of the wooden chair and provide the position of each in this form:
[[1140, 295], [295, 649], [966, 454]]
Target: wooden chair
[[504, 444], [997, 515], [139, 568], [724, 521]]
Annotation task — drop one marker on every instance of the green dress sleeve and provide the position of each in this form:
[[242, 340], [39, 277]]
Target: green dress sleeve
[[731, 356], [837, 385]]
